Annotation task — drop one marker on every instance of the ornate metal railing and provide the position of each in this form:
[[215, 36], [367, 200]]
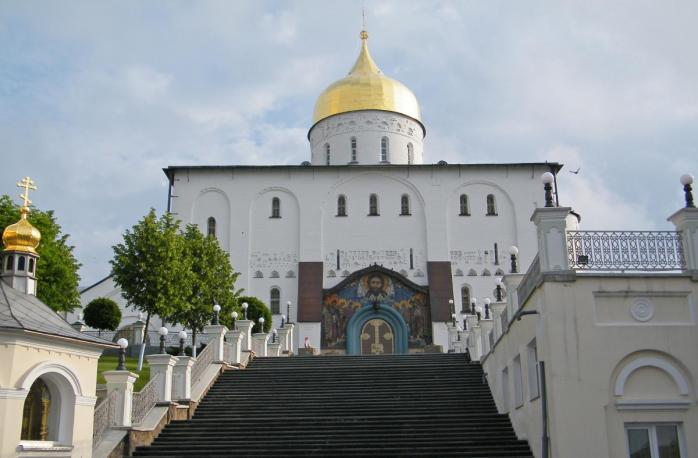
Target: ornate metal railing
[[529, 281], [203, 360], [104, 417], [625, 250], [144, 400]]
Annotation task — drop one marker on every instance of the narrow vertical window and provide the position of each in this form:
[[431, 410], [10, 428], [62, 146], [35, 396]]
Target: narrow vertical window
[[532, 370], [496, 255], [275, 301], [339, 266], [10, 263], [405, 205], [465, 299], [211, 226], [384, 149], [491, 205], [506, 403], [327, 154], [464, 207], [31, 265], [410, 153], [341, 206], [21, 262], [276, 208], [373, 205], [353, 149], [411, 259]]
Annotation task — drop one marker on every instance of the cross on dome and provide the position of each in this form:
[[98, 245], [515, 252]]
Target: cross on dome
[[26, 183]]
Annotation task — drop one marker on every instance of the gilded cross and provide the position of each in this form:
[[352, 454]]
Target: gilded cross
[[26, 183]]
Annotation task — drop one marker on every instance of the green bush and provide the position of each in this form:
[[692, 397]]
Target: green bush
[[256, 309], [103, 313]]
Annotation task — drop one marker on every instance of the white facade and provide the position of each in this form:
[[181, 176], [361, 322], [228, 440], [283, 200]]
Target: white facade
[[266, 250]]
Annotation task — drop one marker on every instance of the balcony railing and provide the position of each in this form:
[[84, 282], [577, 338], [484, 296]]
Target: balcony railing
[[144, 400], [625, 250]]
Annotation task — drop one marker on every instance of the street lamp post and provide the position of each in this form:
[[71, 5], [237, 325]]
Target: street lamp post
[[244, 309], [216, 311], [687, 181], [122, 343], [182, 337], [487, 302], [547, 178], [514, 251], [163, 332], [234, 316]]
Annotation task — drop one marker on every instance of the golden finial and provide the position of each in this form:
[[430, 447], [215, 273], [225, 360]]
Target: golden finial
[[26, 183], [364, 34]]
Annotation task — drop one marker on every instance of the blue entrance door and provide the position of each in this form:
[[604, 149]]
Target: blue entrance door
[[377, 338], [376, 330]]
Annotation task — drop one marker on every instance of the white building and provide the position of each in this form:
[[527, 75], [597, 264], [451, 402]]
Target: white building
[[366, 207]]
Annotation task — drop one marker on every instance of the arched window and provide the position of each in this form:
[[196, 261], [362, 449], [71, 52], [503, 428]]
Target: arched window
[[465, 299], [327, 154], [410, 153], [276, 208], [353, 149], [10, 262], [341, 206], [211, 226], [275, 301], [373, 205], [31, 265], [35, 416], [21, 263], [384, 149], [405, 205], [464, 207], [491, 205]]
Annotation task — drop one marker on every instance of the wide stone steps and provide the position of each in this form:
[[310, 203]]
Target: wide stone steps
[[431, 405]]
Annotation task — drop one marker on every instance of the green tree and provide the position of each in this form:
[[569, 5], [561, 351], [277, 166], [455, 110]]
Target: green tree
[[256, 308], [213, 281], [57, 270], [102, 313], [152, 269]]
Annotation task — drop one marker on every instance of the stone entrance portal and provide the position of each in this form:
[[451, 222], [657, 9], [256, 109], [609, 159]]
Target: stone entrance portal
[[377, 338]]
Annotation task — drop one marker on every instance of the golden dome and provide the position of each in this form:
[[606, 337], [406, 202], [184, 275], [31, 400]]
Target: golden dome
[[366, 88], [21, 236]]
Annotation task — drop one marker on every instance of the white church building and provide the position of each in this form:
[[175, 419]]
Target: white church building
[[366, 238]]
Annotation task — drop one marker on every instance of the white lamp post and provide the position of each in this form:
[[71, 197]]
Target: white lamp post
[[244, 309], [514, 251], [122, 343], [216, 311], [163, 332]]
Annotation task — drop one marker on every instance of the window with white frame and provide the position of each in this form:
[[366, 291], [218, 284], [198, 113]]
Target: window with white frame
[[505, 390], [518, 382], [660, 440], [533, 389], [275, 301]]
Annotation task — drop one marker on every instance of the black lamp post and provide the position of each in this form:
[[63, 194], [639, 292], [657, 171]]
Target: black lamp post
[[234, 316], [163, 332], [122, 343], [687, 181], [261, 323], [499, 290], [547, 179], [273, 335], [244, 310], [182, 337], [487, 307], [514, 251], [473, 301], [216, 312], [283, 319]]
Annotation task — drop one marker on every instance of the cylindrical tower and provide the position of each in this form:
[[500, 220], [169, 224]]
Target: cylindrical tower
[[366, 118]]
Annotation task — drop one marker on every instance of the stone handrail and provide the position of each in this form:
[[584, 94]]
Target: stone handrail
[[144, 400], [203, 360], [104, 417]]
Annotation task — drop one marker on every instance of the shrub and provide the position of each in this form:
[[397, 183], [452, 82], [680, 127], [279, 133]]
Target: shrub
[[256, 309], [103, 313]]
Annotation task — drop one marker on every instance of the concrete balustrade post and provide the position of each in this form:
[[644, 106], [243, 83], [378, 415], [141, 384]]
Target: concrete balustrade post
[[273, 349], [181, 378], [259, 343], [161, 366], [234, 344], [121, 382], [216, 335], [284, 339], [551, 228], [686, 222], [245, 326]]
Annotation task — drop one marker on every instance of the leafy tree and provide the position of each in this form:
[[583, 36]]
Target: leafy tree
[[103, 313], [255, 309], [57, 271], [213, 281], [152, 269]]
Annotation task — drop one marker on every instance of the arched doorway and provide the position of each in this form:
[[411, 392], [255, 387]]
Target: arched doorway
[[376, 329], [377, 338]]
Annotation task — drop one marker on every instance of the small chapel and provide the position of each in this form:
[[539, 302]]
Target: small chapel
[[368, 247]]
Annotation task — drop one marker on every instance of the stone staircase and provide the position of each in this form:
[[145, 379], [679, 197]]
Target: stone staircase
[[432, 405]]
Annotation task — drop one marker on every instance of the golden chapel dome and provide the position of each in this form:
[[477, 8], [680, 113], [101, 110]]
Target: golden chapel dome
[[22, 236], [366, 88]]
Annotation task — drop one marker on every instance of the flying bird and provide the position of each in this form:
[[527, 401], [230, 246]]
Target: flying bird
[[575, 171]]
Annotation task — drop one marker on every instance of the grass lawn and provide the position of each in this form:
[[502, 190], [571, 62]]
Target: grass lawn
[[109, 363]]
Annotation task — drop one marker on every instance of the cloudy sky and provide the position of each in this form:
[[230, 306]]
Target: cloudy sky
[[96, 97]]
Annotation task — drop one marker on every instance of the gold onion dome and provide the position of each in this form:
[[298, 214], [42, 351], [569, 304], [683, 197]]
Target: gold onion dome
[[22, 236], [366, 88]]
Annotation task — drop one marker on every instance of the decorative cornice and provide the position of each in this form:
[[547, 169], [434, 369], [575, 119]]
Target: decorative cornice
[[642, 404], [13, 393], [85, 400]]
